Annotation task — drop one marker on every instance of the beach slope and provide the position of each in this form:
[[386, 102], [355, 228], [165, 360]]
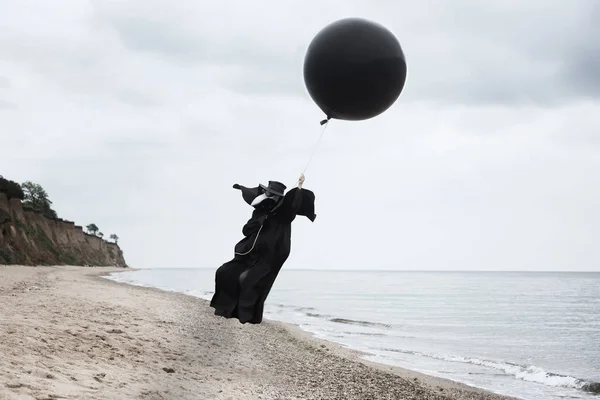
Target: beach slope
[[67, 333]]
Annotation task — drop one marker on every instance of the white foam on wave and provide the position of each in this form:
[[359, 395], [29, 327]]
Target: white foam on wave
[[122, 278], [529, 373]]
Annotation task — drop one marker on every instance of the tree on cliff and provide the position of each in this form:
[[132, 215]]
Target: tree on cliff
[[36, 198], [115, 238], [92, 229], [101, 234]]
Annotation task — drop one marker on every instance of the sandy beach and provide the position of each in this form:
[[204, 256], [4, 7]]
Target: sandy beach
[[68, 333]]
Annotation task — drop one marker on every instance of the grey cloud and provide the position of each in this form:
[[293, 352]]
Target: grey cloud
[[257, 81], [155, 36], [118, 162], [584, 74], [501, 53], [583, 60], [135, 146], [7, 105], [78, 67], [4, 82], [169, 38], [137, 98], [255, 67], [492, 54], [114, 175]]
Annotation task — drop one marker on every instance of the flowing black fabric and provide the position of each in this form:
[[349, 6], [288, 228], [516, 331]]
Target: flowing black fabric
[[243, 284]]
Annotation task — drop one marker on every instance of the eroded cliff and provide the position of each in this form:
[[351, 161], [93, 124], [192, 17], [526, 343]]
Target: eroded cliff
[[30, 238]]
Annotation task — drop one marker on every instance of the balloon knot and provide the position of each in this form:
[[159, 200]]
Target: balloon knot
[[326, 120]]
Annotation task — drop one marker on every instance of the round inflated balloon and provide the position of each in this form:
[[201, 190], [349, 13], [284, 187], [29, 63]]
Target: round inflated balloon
[[354, 69]]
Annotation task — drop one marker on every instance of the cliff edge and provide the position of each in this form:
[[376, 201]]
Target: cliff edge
[[31, 238]]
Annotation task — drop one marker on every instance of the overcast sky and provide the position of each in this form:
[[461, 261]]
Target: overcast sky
[[140, 115]]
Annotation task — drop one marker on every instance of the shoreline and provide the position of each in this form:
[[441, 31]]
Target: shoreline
[[98, 339], [350, 354]]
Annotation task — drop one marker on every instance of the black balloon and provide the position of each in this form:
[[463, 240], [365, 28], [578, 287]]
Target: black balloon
[[354, 69]]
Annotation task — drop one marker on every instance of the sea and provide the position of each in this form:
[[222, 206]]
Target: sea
[[531, 335]]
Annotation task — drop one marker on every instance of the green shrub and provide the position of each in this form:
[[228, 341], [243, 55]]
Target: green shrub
[[11, 188]]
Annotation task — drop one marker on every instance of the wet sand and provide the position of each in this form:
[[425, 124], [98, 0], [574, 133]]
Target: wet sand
[[68, 333]]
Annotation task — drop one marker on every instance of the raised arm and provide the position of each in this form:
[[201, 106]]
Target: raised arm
[[297, 201]]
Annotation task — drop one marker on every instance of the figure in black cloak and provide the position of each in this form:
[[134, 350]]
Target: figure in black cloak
[[243, 284]]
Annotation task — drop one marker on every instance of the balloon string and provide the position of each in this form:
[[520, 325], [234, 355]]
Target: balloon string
[[324, 123]]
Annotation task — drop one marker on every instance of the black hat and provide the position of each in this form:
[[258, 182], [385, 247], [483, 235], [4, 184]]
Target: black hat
[[276, 188]]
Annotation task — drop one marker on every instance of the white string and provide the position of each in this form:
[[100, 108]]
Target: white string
[[316, 146], [253, 244], [305, 168]]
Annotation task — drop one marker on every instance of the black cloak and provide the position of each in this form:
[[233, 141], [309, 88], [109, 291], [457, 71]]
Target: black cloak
[[243, 284]]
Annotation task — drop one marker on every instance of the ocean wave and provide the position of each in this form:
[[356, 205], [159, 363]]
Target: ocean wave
[[365, 334], [359, 322], [316, 315], [303, 309], [529, 373]]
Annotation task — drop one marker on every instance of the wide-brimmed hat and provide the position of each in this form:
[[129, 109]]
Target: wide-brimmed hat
[[275, 188]]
